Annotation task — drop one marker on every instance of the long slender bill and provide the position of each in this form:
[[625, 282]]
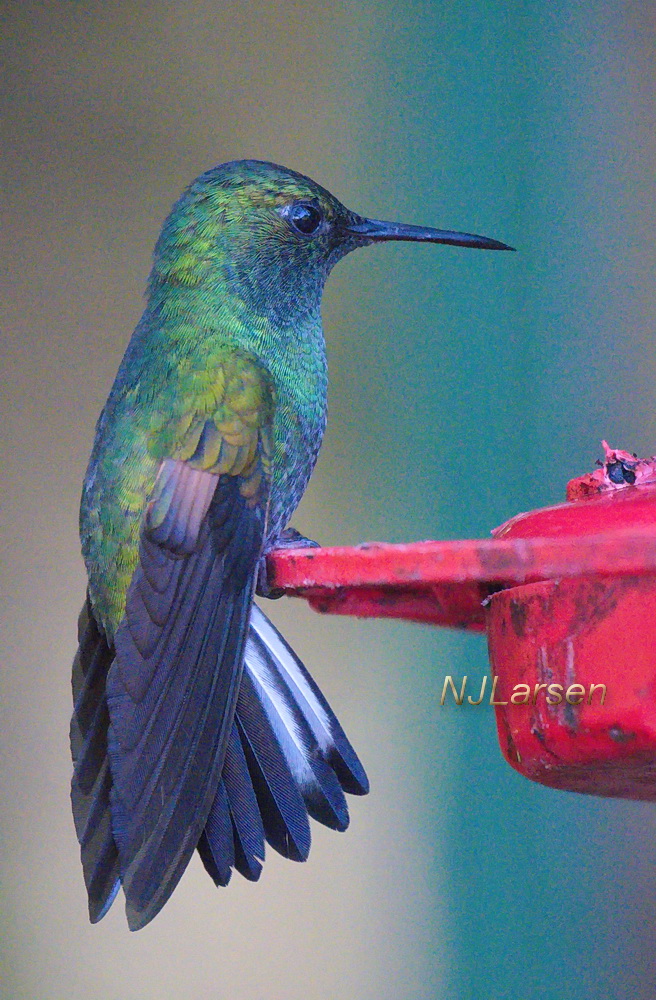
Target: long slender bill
[[376, 231]]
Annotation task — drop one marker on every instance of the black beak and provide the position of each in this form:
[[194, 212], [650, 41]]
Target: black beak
[[375, 231]]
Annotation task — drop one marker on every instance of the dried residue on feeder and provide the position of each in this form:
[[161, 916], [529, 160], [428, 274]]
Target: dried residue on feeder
[[619, 470]]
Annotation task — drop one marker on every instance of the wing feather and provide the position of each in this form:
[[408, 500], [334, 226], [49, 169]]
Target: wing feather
[[172, 708]]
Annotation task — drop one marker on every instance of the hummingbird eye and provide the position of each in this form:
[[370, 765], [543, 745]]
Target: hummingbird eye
[[305, 218]]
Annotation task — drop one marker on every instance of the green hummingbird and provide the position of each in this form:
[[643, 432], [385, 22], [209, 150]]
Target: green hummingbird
[[195, 726]]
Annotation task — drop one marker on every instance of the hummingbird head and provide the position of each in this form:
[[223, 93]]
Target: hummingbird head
[[269, 237]]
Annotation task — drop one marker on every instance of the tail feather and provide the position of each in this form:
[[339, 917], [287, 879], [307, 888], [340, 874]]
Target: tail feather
[[247, 826], [288, 758], [101, 869], [330, 736], [317, 782], [91, 782], [216, 845], [279, 799]]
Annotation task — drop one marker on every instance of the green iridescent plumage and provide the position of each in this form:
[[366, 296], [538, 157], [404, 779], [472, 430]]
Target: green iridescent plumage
[[195, 726], [229, 275]]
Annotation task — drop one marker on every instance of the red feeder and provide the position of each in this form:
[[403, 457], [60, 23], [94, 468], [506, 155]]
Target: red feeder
[[567, 596]]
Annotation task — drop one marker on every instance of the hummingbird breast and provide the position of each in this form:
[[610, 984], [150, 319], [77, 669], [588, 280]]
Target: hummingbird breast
[[299, 425]]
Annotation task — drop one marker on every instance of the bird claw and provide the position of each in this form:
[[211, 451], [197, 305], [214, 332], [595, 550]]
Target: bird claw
[[289, 539], [293, 539]]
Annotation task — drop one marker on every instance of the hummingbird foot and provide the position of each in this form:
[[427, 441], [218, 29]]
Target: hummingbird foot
[[290, 538]]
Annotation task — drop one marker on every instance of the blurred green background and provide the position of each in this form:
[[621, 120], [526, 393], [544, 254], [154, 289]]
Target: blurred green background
[[464, 387]]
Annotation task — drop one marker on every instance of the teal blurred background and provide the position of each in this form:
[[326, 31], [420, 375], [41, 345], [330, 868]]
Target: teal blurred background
[[464, 387]]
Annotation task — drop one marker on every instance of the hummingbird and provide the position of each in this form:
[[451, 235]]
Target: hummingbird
[[195, 726]]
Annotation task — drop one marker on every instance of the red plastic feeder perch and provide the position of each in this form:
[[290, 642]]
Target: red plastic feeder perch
[[567, 596]]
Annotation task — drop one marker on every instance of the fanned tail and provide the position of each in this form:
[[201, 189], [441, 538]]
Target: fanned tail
[[289, 759]]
